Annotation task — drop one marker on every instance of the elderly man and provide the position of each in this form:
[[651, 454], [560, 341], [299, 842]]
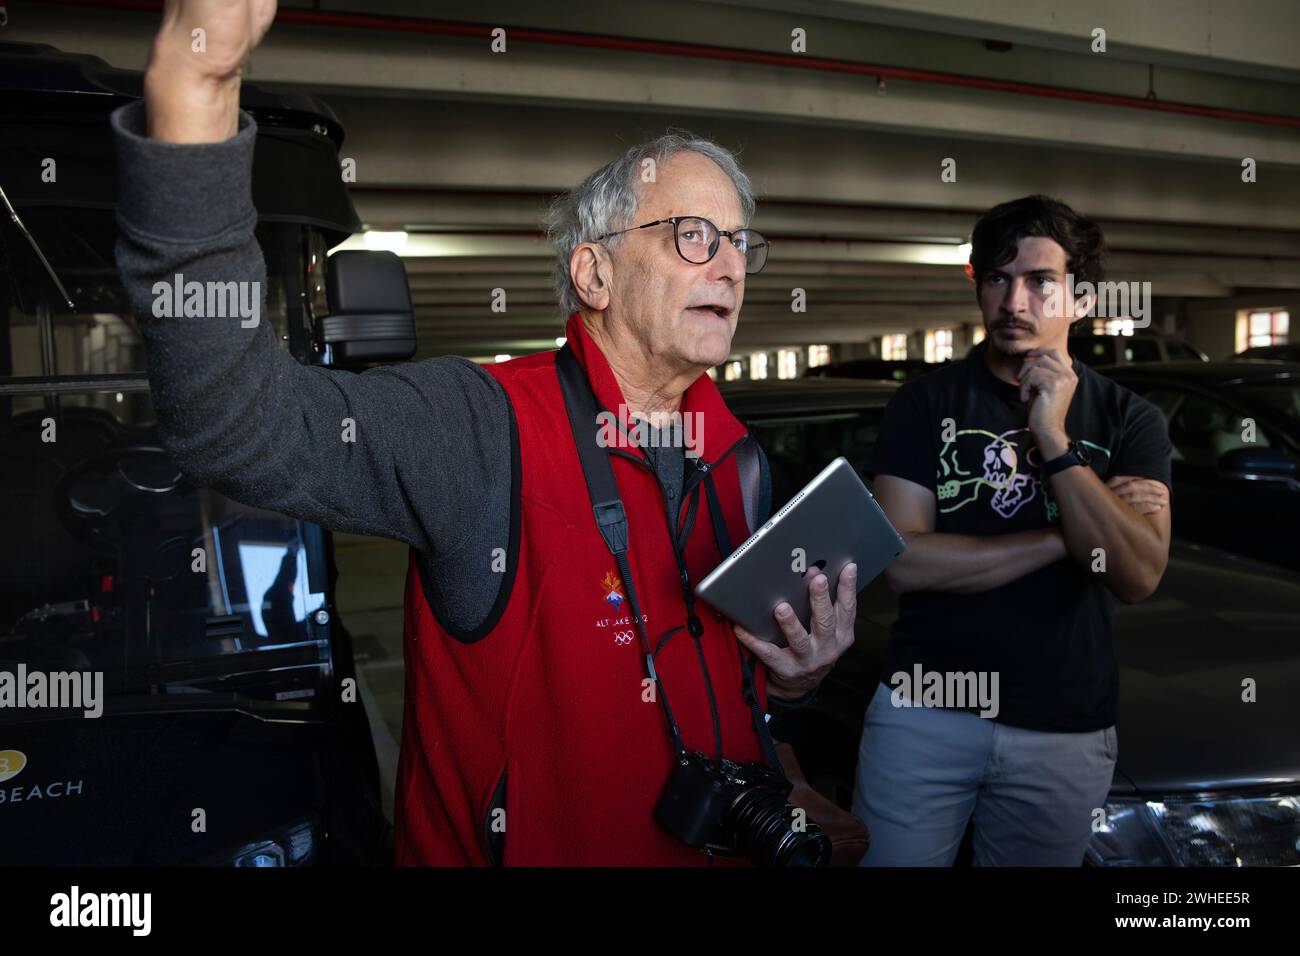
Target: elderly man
[[553, 681]]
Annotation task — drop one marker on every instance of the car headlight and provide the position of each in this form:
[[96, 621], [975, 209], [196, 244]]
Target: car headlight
[[294, 846], [1201, 830]]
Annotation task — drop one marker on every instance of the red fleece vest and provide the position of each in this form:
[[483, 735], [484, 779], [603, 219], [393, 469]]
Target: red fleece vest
[[549, 703]]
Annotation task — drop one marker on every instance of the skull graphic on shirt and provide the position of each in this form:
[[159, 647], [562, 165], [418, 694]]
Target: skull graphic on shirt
[[1011, 464]]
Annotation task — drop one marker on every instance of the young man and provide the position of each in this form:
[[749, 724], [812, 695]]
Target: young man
[[1031, 492]]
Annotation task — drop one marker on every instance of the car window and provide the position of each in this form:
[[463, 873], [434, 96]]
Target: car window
[[1166, 401], [799, 446], [1284, 395], [99, 564], [39, 337], [1093, 349], [111, 561], [1141, 350], [1181, 351], [1203, 431], [96, 343], [104, 343]]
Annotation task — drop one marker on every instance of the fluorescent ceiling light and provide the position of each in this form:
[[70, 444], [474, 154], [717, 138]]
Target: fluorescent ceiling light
[[391, 241]]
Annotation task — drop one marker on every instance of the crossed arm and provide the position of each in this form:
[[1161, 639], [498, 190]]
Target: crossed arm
[[1126, 517]]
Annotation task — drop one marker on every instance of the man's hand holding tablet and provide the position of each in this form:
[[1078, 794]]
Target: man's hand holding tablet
[[833, 528], [796, 669]]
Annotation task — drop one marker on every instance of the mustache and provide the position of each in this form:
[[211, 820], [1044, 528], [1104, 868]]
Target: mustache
[[1012, 323]]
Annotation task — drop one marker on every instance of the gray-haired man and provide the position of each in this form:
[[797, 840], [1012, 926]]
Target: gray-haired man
[[536, 729]]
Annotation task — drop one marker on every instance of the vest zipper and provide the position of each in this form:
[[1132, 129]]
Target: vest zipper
[[702, 468]]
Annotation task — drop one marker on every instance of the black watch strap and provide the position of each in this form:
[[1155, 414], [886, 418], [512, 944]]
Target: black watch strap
[[1075, 454]]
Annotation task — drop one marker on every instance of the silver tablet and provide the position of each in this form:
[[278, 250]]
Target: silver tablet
[[833, 521]]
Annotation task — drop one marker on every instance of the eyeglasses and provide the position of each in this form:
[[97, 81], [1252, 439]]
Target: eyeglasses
[[697, 241]]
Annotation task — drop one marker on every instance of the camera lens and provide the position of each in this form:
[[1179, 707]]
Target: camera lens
[[761, 825]]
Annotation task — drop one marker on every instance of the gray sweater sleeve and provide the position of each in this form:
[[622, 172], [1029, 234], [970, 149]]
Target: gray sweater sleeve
[[429, 459]]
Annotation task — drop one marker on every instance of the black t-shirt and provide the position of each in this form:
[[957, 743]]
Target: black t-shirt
[[1047, 634]]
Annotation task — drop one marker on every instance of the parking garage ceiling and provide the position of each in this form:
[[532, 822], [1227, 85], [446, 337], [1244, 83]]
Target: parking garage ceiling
[[461, 147]]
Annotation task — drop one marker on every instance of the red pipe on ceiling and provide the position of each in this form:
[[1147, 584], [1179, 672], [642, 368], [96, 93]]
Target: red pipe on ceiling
[[365, 21], [974, 212]]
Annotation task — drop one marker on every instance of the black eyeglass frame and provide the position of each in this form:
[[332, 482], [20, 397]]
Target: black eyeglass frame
[[713, 247]]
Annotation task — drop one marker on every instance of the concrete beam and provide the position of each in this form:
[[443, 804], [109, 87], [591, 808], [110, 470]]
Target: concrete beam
[[466, 71], [1242, 36]]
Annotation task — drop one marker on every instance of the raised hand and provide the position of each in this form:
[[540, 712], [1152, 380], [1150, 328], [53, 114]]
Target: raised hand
[[1047, 383], [191, 84]]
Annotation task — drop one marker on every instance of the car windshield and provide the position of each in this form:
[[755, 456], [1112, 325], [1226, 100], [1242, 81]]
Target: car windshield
[[1284, 395], [112, 561], [799, 446], [1181, 351]]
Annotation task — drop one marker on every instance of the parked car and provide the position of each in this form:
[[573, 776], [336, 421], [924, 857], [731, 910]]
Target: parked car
[[1202, 778], [1275, 353], [1235, 428], [1139, 348], [230, 732], [889, 370]]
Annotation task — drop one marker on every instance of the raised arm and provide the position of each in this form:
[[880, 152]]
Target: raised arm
[[417, 452], [1102, 530]]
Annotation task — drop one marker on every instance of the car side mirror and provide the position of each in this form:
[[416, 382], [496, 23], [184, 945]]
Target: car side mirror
[[1258, 464], [370, 318]]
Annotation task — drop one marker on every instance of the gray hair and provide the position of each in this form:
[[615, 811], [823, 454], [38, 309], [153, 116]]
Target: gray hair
[[606, 200]]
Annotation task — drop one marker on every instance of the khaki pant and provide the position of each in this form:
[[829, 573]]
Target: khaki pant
[[924, 772]]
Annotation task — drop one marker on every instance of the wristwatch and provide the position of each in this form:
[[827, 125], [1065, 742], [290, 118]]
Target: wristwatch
[[1075, 454]]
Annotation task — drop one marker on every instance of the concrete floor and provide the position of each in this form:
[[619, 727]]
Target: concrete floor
[[372, 575]]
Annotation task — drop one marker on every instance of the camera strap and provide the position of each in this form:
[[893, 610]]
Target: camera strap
[[611, 520], [747, 685]]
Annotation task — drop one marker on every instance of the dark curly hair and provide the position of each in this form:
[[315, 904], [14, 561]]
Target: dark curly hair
[[993, 242]]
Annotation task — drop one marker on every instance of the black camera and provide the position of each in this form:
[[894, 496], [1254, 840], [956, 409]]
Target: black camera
[[739, 810]]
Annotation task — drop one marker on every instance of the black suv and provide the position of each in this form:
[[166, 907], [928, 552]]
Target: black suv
[[231, 729]]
